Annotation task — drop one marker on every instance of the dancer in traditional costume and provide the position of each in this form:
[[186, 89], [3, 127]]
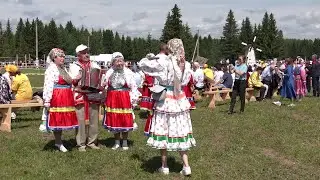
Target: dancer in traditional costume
[[163, 54], [188, 85], [87, 99], [146, 102], [300, 78], [287, 89], [171, 128], [120, 86], [58, 98], [43, 125]]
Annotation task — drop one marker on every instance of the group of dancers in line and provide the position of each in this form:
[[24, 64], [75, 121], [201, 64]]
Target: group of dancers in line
[[168, 127]]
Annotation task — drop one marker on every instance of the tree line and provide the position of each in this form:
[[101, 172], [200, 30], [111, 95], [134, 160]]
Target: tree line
[[269, 38]]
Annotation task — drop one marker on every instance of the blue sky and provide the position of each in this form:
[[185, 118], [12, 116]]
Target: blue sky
[[298, 19]]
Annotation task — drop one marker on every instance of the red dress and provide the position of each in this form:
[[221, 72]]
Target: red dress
[[187, 90], [62, 112], [118, 115], [146, 102]]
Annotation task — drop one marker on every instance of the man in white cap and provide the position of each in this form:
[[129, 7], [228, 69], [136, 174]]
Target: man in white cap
[[87, 107]]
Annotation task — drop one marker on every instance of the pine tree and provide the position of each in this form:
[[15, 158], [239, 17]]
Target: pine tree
[[173, 27], [20, 39], [29, 38], [129, 48], [270, 38], [316, 46], [123, 48], [9, 41], [187, 42], [108, 41], [246, 31], [96, 46], [51, 33], [230, 42], [117, 43], [70, 38], [148, 45]]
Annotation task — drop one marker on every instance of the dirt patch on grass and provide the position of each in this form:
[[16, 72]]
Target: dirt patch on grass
[[271, 153], [300, 117]]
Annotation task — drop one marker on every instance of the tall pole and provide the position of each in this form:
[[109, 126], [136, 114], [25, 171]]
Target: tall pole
[[88, 41], [196, 48], [37, 39]]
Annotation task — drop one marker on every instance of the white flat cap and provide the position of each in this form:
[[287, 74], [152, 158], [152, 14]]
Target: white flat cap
[[117, 55], [81, 47]]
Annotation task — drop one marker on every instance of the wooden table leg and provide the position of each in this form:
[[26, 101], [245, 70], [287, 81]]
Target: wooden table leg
[[224, 96], [251, 96], [212, 103], [5, 124], [218, 97]]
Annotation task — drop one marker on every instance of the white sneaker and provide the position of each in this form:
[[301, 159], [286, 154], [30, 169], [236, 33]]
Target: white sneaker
[[125, 148], [61, 147], [13, 116], [186, 171], [135, 126], [291, 105], [115, 147], [43, 128], [278, 103], [164, 170]]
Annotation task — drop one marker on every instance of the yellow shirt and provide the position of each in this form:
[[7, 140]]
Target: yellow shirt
[[255, 80], [208, 72], [21, 87]]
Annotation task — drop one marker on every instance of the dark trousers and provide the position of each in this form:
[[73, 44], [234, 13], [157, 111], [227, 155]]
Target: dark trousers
[[262, 90], [270, 89], [315, 85], [308, 83], [239, 89]]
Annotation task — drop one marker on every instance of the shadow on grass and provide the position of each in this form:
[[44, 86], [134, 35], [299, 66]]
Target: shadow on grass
[[143, 114], [152, 165], [69, 144], [109, 142], [19, 126]]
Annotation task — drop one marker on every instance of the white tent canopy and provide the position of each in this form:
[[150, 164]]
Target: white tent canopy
[[102, 58]]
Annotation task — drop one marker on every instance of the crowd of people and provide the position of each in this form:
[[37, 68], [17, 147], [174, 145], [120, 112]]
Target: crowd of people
[[72, 99], [162, 84]]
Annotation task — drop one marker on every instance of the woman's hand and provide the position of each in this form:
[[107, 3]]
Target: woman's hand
[[46, 104]]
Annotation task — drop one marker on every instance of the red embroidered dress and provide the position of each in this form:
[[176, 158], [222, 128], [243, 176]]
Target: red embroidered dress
[[118, 110], [58, 93], [146, 101], [120, 87], [187, 90]]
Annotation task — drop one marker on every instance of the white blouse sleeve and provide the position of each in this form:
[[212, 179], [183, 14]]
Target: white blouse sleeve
[[134, 93], [105, 79], [152, 68], [50, 78]]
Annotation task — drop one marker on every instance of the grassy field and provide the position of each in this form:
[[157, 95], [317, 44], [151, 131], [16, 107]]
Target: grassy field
[[266, 142]]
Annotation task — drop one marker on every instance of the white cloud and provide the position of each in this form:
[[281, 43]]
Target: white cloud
[[298, 19]]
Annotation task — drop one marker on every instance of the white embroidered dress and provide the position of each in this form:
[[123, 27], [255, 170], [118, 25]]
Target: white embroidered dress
[[171, 126]]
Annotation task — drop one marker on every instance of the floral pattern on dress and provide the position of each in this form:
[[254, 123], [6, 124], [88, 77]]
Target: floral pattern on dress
[[5, 95], [51, 77], [171, 126]]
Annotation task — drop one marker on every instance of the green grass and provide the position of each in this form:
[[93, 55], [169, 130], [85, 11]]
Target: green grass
[[266, 142]]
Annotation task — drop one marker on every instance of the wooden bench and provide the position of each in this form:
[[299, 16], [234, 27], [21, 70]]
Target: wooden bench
[[214, 94], [250, 95], [6, 110], [222, 95]]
